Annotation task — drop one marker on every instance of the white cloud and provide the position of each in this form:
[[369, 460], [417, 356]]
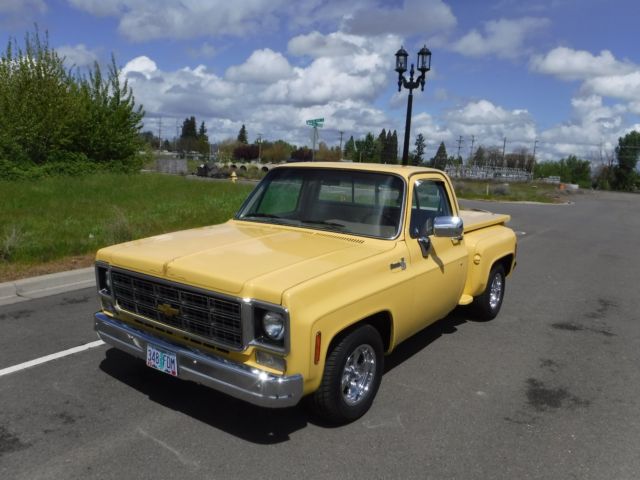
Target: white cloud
[[489, 124], [19, 13], [141, 65], [626, 87], [18, 7], [77, 55], [338, 89], [263, 66], [594, 126], [143, 20], [568, 64], [423, 17], [335, 44], [206, 50], [504, 38]]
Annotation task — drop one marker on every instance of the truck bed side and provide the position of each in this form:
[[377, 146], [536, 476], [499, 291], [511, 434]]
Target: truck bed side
[[488, 241]]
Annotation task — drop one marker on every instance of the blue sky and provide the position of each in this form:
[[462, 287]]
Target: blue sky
[[563, 72]]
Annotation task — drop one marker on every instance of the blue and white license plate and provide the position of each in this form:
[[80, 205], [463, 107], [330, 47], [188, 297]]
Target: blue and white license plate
[[160, 360]]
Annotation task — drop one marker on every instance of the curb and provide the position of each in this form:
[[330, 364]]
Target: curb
[[46, 285]]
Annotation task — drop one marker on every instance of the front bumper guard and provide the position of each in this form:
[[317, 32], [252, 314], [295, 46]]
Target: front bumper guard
[[246, 383]]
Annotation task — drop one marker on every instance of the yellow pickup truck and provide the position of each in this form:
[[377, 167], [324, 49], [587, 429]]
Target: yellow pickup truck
[[323, 271]]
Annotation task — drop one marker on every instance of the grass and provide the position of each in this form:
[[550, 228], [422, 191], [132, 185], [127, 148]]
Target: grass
[[63, 221], [518, 192], [57, 224]]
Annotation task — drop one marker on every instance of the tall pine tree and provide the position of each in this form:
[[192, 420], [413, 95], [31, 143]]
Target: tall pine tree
[[242, 135]]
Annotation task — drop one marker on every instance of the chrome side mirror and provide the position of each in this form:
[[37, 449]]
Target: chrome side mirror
[[448, 227]]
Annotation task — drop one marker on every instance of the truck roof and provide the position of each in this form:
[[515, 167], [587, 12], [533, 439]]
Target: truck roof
[[402, 170]]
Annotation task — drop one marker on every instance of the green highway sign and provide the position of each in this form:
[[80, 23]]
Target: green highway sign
[[316, 122]]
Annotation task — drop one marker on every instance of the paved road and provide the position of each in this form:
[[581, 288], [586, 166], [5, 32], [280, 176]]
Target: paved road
[[548, 390]]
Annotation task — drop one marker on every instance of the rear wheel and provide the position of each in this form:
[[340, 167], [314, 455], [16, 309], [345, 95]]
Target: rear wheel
[[487, 305], [351, 378]]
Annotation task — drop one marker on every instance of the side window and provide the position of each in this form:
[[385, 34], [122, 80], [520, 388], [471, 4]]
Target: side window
[[430, 200]]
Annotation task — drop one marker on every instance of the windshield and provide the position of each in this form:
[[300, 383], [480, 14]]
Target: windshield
[[346, 201]]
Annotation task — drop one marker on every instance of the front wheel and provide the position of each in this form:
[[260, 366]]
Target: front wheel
[[487, 305], [352, 375]]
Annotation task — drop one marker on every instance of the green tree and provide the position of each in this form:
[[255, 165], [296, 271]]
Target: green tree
[[440, 159], [478, 158], [381, 147], [278, 151], [111, 122], [418, 155], [188, 141], [625, 176], [393, 148], [203, 140], [350, 150], [242, 135], [366, 148]]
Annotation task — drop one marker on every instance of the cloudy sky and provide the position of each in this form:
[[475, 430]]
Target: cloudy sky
[[563, 72]]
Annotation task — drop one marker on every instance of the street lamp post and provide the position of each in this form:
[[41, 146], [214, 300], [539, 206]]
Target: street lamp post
[[424, 65]]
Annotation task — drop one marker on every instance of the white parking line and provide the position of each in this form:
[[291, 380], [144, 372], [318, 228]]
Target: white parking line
[[48, 358]]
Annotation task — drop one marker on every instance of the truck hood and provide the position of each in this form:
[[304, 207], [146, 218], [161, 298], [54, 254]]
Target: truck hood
[[254, 260]]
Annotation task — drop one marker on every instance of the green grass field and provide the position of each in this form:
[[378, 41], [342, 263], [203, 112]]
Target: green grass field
[[58, 223], [47, 220], [515, 192]]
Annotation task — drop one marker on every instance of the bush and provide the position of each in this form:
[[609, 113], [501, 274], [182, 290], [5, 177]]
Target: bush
[[55, 121]]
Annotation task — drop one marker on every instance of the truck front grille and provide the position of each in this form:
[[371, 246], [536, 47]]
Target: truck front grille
[[202, 314]]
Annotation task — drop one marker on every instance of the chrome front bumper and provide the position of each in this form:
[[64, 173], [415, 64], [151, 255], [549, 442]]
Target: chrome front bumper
[[246, 383]]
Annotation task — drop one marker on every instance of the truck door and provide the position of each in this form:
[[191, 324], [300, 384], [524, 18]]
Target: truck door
[[438, 278]]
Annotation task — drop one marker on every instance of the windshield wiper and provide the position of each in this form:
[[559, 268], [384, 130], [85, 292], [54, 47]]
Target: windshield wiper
[[262, 215], [324, 222]]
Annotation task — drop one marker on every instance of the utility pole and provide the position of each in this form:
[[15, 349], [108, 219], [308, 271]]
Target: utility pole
[[160, 134], [504, 147], [533, 163], [459, 146], [315, 139], [341, 133], [473, 139], [175, 144], [259, 148]]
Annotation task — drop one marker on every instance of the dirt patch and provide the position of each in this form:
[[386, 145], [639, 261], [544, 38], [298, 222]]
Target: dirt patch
[[9, 271]]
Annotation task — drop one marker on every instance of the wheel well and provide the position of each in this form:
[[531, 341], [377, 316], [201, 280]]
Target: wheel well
[[507, 263], [381, 321]]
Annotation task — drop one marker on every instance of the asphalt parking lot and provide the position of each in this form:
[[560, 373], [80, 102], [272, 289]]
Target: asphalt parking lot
[[548, 390]]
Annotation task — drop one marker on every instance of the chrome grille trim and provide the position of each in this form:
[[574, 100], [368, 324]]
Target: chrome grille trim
[[200, 313]]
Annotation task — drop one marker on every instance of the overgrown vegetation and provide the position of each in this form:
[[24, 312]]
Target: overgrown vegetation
[[54, 120]]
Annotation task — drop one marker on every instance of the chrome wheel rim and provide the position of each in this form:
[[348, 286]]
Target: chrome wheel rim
[[358, 374], [495, 291]]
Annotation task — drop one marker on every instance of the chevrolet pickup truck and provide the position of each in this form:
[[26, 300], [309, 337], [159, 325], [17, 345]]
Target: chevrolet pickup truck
[[323, 271]]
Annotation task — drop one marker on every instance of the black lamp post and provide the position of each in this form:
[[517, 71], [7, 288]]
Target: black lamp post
[[424, 65]]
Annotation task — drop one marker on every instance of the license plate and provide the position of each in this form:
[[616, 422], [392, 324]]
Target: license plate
[[164, 361]]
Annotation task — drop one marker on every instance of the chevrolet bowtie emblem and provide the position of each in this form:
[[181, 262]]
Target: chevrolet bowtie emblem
[[167, 310]]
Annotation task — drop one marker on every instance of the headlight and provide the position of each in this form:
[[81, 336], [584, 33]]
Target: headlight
[[103, 279], [273, 325]]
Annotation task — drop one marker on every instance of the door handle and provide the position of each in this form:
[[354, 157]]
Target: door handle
[[401, 265]]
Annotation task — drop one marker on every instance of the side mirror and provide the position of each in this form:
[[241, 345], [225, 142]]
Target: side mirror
[[448, 227]]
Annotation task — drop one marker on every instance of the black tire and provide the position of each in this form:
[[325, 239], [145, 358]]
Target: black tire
[[336, 403], [487, 305]]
